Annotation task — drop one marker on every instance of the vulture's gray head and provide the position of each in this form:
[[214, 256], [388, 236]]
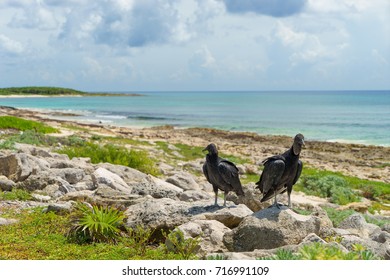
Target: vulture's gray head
[[299, 142], [212, 149]]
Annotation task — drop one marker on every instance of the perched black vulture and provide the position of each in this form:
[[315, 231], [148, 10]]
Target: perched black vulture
[[281, 172], [221, 173]]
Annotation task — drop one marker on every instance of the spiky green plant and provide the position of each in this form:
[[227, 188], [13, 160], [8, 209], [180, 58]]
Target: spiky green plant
[[99, 224]]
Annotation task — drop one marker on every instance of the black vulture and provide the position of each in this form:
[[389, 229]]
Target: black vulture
[[281, 172], [221, 174]]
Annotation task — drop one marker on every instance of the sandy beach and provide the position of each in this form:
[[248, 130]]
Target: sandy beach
[[362, 161]]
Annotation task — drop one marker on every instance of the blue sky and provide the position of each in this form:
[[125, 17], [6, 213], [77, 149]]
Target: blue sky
[[144, 45]]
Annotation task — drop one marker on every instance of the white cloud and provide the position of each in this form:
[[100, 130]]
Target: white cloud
[[10, 46], [203, 63], [195, 43]]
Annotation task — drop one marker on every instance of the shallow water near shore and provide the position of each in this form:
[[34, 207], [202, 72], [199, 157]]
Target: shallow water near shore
[[340, 116]]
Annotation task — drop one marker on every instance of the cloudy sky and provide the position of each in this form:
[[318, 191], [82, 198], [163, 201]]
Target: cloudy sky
[[143, 45]]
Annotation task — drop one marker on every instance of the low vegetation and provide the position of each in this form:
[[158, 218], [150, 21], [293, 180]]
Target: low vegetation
[[39, 91], [99, 232], [15, 194], [112, 154], [95, 225], [10, 122], [341, 189], [319, 251], [53, 91], [45, 236]]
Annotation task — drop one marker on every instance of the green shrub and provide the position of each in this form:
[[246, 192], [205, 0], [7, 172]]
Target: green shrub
[[99, 224], [112, 154], [10, 122], [282, 254], [15, 194], [30, 137], [42, 236], [320, 251], [337, 216], [139, 239], [330, 186], [216, 258], [370, 191], [186, 248]]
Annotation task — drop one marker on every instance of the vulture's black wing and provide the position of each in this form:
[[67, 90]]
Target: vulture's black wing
[[205, 172], [299, 171], [229, 173], [270, 178]]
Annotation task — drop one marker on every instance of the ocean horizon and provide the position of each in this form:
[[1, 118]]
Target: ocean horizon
[[361, 117]]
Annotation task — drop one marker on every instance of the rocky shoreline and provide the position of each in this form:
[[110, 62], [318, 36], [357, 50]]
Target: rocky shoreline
[[245, 229], [361, 161]]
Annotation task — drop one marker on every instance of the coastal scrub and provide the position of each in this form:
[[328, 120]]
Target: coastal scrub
[[139, 160], [11, 122]]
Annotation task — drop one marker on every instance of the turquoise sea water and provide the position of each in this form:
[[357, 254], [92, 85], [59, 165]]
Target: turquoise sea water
[[343, 116]]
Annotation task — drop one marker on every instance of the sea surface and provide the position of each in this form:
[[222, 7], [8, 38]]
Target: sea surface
[[339, 116]]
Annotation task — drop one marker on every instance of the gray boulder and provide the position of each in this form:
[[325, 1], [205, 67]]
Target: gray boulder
[[166, 213], [381, 250], [184, 181], [250, 198], [231, 216], [6, 184], [193, 195], [157, 188], [18, 167], [71, 175], [104, 177], [210, 234], [43, 179], [129, 175], [271, 228], [356, 224]]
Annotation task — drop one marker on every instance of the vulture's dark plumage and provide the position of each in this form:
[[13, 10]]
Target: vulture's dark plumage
[[281, 172], [221, 174]]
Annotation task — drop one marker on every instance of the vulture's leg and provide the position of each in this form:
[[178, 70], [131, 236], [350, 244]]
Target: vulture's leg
[[216, 195], [276, 202], [224, 198], [289, 190]]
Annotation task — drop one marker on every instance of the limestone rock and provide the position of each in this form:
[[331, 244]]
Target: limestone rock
[[157, 188], [271, 228], [5, 222], [357, 224], [18, 167], [104, 177], [60, 207], [230, 216], [184, 181], [381, 250], [71, 175], [6, 184], [166, 213], [129, 175], [210, 233], [250, 198], [192, 195]]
